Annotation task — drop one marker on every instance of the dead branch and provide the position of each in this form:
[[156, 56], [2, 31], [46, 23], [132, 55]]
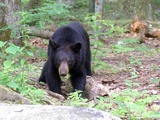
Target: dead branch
[[39, 33], [55, 95]]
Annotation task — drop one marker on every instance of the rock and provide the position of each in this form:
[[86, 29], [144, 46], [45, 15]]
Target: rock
[[49, 112]]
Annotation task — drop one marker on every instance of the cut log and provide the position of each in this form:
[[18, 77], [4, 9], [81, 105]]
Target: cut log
[[154, 34]]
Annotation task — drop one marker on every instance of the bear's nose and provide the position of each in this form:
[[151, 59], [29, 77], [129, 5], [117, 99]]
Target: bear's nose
[[63, 73], [63, 69]]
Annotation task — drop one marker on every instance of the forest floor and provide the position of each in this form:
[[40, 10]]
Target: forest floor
[[129, 65], [138, 69]]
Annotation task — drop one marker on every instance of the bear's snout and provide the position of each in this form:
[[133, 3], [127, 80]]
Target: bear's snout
[[63, 69]]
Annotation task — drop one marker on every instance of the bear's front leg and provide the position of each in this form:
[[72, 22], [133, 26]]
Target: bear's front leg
[[53, 81], [42, 78], [78, 80]]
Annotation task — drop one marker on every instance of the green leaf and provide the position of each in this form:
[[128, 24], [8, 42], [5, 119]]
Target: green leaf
[[142, 48], [30, 54], [2, 4], [2, 44], [13, 49], [13, 85], [7, 63], [22, 61], [155, 80], [25, 1], [1, 75], [128, 83]]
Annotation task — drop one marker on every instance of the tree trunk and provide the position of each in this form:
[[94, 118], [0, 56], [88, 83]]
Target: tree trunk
[[98, 7], [4, 35], [98, 14], [92, 6], [9, 18]]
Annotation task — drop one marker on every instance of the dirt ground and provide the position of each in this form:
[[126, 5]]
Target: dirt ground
[[142, 71]]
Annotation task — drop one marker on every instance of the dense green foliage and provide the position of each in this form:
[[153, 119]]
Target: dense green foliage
[[45, 15]]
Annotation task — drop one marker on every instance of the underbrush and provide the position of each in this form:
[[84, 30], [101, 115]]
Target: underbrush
[[128, 104], [14, 69]]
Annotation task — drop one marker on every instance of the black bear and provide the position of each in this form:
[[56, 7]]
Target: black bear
[[68, 52]]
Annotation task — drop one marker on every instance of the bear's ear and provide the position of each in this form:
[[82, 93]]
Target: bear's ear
[[76, 47], [52, 44]]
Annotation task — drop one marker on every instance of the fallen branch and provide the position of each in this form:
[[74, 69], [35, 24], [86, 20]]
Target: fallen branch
[[55, 95], [39, 33]]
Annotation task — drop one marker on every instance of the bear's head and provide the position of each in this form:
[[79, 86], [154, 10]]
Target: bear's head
[[65, 55]]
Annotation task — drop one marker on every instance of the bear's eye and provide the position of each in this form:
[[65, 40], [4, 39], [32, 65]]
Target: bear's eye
[[69, 62], [76, 47], [59, 61]]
